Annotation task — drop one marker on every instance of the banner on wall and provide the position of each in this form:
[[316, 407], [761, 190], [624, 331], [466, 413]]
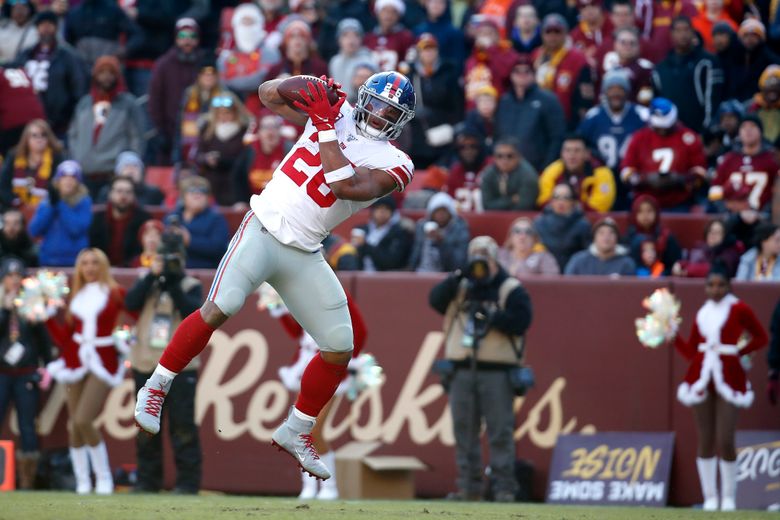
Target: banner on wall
[[614, 468], [758, 473]]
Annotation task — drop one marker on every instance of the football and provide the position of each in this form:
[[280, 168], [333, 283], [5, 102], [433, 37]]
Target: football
[[290, 89]]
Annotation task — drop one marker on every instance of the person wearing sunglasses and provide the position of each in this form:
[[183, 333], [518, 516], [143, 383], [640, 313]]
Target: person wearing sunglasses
[[510, 183], [173, 72], [522, 254], [220, 145], [28, 168]]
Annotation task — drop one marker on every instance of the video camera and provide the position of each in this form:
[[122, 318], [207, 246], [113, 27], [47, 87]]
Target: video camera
[[172, 252]]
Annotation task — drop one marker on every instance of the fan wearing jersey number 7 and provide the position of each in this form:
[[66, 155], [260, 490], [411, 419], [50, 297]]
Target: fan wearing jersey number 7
[[342, 163]]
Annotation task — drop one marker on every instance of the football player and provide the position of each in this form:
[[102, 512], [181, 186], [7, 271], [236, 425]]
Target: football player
[[342, 162], [665, 158]]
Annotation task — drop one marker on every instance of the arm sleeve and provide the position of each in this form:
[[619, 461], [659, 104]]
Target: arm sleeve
[[688, 348], [42, 219], [547, 182], [758, 336], [602, 193], [516, 317], [136, 296], [240, 174], [443, 293], [6, 181], [491, 198], [77, 219], [42, 343], [743, 270], [529, 188]]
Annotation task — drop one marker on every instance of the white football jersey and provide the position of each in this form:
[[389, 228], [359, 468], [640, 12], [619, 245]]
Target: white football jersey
[[298, 208]]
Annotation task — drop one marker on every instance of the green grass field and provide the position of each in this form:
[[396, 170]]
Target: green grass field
[[67, 506]]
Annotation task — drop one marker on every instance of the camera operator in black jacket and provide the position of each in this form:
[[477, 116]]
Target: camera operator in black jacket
[[24, 347], [161, 297], [486, 312]]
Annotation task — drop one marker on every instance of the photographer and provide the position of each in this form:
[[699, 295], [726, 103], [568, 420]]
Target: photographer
[[162, 295], [24, 347], [486, 312]]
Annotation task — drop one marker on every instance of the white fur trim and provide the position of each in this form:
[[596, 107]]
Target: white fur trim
[[712, 370], [90, 359], [87, 305], [63, 374]]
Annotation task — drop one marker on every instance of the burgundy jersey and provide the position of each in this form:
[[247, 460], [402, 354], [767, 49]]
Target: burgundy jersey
[[19, 103], [654, 19], [746, 177], [389, 49], [678, 152], [463, 186]]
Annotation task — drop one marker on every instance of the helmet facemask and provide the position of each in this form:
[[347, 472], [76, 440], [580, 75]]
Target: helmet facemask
[[379, 118]]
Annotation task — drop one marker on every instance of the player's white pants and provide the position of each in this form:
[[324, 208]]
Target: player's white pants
[[304, 280]]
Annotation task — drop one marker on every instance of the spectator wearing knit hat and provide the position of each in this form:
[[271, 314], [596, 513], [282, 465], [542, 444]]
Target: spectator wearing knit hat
[[564, 70], [63, 221], [531, 114], [58, 74], [106, 122], [766, 103], [299, 55], [173, 72], [384, 243], [721, 136], [746, 66], [389, 40], [130, 165], [351, 52], [605, 256], [482, 118], [439, 102]]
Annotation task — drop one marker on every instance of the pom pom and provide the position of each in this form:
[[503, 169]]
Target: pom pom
[[124, 339], [42, 295], [661, 323], [364, 373]]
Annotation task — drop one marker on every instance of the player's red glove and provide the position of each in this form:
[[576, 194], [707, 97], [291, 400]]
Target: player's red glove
[[316, 105], [772, 387]]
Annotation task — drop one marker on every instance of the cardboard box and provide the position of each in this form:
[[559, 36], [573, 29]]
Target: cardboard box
[[363, 475]]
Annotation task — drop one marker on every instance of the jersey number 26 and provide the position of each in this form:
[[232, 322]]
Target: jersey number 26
[[303, 166]]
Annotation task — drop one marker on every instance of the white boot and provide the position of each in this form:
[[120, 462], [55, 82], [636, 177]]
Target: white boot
[[329, 489], [104, 482], [708, 476], [728, 485], [80, 463], [309, 486]]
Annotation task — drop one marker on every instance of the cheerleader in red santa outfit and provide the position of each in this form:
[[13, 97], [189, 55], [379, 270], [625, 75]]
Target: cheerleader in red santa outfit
[[716, 385], [291, 378], [90, 363]]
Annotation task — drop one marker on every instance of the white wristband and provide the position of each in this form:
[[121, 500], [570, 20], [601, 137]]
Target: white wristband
[[345, 172], [326, 136]]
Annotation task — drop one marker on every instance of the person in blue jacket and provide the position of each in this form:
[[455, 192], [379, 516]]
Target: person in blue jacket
[[63, 220], [203, 229]]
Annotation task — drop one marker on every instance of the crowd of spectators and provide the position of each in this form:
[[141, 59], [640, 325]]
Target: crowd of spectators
[[560, 108]]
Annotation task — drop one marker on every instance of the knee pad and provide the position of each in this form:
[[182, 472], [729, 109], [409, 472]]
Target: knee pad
[[337, 339], [230, 300]]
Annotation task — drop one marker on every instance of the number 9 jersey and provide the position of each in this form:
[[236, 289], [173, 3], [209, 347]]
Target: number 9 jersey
[[298, 208]]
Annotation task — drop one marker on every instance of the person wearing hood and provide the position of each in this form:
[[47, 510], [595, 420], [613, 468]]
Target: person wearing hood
[[172, 73], [751, 58], [766, 102], [441, 238], [15, 240], [605, 256], [645, 225], [384, 243], [722, 135], [107, 122], [17, 32], [718, 247], [242, 69], [562, 227], [746, 177], [63, 221], [389, 40], [438, 22], [130, 166], [352, 52], [59, 76], [463, 180]]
